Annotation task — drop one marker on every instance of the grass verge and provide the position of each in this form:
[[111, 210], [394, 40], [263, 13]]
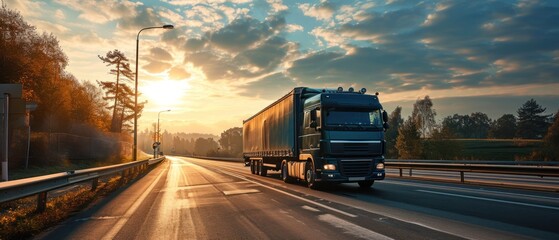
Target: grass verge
[[19, 219]]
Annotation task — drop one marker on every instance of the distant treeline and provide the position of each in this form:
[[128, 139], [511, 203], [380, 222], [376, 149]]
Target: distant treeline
[[421, 137], [228, 144]]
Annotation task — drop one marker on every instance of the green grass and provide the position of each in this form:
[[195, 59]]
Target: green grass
[[498, 149]]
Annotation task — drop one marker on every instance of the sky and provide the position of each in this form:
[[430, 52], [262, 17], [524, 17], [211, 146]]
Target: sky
[[225, 60]]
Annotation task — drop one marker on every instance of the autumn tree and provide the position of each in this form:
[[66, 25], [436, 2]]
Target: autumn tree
[[424, 116], [394, 121], [117, 91], [532, 123], [550, 149], [408, 143], [504, 127]]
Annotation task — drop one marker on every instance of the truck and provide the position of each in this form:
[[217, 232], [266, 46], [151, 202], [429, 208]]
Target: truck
[[319, 136]]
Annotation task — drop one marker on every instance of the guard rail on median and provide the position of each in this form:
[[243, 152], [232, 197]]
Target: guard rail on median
[[41, 185]]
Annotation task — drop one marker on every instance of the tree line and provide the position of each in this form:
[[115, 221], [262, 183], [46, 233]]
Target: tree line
[[420, 137], [228, 144]]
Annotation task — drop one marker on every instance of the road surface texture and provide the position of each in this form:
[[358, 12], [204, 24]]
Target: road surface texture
[[186, 198]]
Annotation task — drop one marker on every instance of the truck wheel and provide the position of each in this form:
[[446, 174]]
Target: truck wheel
[[263, 170], [366, 184], [252, 167], [310, 176], [285, 173]]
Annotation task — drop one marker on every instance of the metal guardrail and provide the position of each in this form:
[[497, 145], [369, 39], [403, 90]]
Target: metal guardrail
[[41, 185], [475, 167]]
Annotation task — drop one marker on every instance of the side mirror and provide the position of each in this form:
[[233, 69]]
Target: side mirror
[[385, 126], [313, 115], [384, 116]]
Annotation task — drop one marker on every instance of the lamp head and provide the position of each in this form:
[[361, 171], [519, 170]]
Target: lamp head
[[168, 26]]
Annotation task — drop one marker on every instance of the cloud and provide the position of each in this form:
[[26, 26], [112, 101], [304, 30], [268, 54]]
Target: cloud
[[101, 11], [322, 11], [160, 54], [269, 87], [178, 73], [145, 17], [156, 66], [245, 48], [404, 46]]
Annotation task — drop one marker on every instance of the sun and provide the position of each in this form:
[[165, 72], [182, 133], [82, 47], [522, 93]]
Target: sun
[[164, 92]]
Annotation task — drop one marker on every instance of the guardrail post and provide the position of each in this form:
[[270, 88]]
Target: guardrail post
[[41, 201], [462, 176], [401, 170], [410, 172], [94, 184]]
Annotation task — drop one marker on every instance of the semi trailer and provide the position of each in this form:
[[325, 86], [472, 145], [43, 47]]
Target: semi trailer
[[319, 136]]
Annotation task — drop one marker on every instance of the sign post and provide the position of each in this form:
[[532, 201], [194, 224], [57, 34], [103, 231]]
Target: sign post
[[9, 92]]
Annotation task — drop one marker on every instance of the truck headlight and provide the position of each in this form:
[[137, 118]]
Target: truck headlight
[[380, 166], [330, 167]]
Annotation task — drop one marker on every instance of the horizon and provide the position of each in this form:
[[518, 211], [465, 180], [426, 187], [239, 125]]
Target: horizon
[[227, 60]]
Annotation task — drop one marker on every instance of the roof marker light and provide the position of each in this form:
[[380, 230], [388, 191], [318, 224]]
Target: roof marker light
[[350, 89], [363, 91], [340, 89]]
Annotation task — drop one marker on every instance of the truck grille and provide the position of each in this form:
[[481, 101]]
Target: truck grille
[[356, 168], [355, 148]]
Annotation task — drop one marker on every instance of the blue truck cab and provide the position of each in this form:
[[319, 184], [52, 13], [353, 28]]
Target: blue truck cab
[[319, 136]]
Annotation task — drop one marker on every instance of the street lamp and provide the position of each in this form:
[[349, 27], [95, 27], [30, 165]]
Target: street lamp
[[135, 146]]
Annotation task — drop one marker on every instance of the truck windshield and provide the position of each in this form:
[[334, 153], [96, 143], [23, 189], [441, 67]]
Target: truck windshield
[[354, 118]]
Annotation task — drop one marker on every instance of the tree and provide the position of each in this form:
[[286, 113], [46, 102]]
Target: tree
[[408, 142], [203, 146], [424, 116], [121, 66], [394, 121], [531, 122], [550, 149], [479, 125], [504, 127], [475, 125], [232, 140]]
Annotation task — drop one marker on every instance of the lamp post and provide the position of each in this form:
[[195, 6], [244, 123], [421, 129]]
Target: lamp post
[[135, 145]]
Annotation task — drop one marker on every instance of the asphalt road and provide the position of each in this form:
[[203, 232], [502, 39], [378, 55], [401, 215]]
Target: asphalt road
[[187, 198]]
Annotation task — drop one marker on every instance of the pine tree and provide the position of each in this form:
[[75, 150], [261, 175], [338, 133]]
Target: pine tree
[[531, 122], [121, 67]]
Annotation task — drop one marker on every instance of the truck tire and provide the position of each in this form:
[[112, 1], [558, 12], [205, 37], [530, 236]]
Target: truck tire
[[263, 171], [285, 172], [310, 175], [252, 167], [366, 184]]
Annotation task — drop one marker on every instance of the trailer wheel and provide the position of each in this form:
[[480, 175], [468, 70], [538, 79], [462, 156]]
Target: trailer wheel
[[310, 175], [263, 171], [285, 172], [366, 184]]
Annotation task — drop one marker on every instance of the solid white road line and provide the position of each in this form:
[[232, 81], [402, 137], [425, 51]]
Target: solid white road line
[[490, 199]]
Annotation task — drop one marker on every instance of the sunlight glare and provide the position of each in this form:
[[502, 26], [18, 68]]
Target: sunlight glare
[[165, 92]]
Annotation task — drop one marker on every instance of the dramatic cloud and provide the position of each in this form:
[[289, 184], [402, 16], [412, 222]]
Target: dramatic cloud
[[246, 48], [101, 11]]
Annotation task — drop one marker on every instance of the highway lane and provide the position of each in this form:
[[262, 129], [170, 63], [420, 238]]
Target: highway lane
[[188, 198]]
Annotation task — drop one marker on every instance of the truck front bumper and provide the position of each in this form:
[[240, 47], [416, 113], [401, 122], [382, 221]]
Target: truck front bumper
[[337, 177]]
